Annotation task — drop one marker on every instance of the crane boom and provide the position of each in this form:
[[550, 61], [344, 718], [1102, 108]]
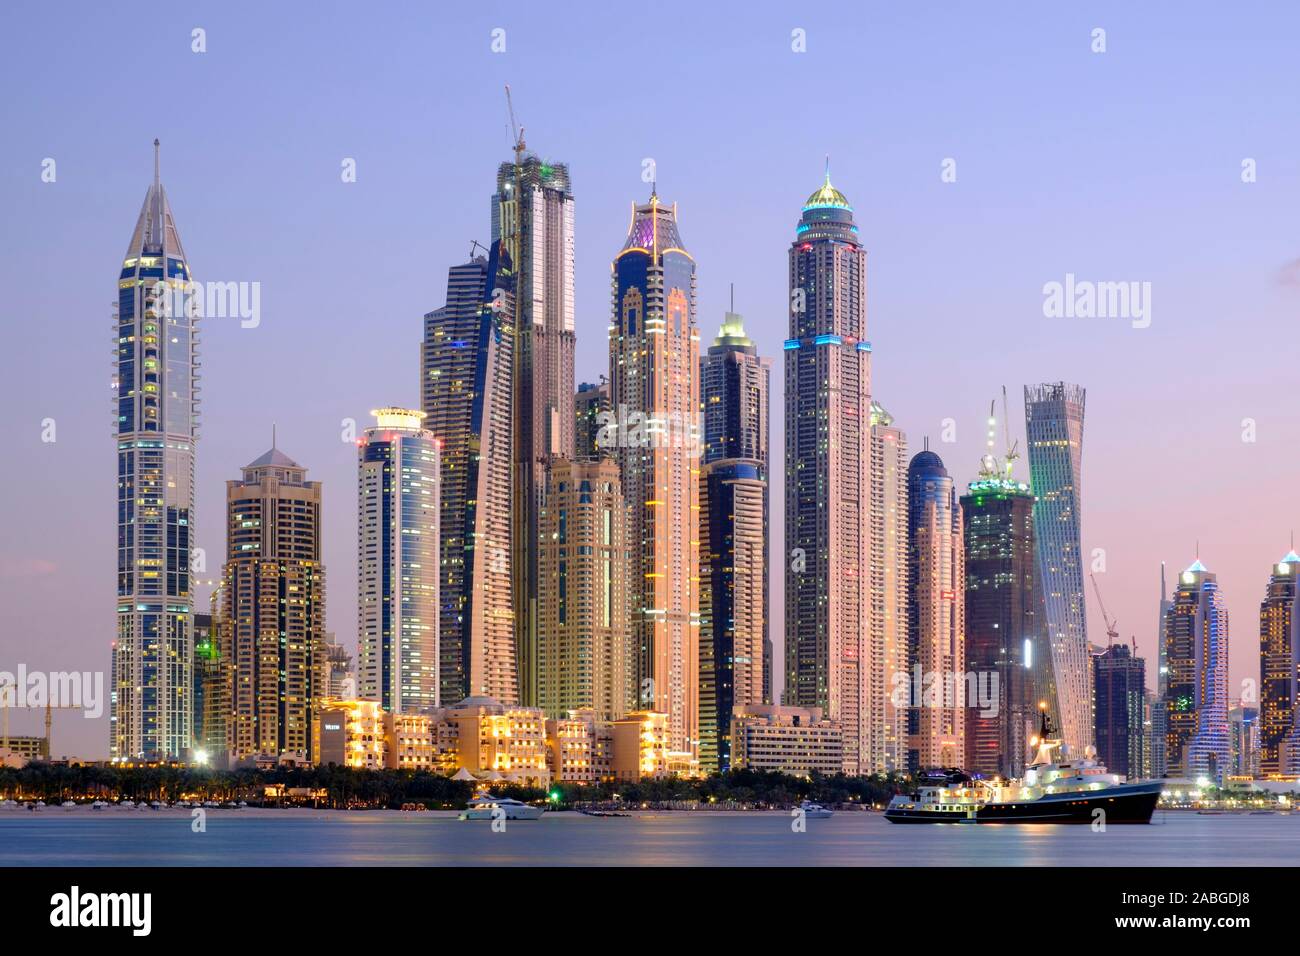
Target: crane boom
[[1112, 632]]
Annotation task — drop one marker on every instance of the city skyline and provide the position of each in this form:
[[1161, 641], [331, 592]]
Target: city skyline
[[74, 641]]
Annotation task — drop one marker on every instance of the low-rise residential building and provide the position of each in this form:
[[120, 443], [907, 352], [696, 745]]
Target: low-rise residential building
[[795, 740]]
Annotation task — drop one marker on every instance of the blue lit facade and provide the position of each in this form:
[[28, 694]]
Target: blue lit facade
[[1195, 636], [156, 430]]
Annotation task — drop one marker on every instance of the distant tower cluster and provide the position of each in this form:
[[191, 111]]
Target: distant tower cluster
[[573, 567]]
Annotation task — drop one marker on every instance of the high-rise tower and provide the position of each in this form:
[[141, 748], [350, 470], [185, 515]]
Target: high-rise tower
[[585, 659], [1279, 666], [936, 612], [1196, 686], [465, 374], [1054, 429], [888, 574], [156, 426], [654, 381], [397, 564], [272, 619], [827, 472], [1001, 620], [735, 643], [532, 215], [1120, 678]]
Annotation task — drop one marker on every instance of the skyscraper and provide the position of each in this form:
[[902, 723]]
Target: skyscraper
[[156, 429], [888, 573], [735, 382], [397, 566], [654, 382], [532, 216], [1054, 429], [1196, 687], [735, 642], [1279, 669], [1121, 693], [273, 609], [584, 655], [466, 369], [827, 472], [936, 612], [1159, 716], [591, 402], [1001, 621]]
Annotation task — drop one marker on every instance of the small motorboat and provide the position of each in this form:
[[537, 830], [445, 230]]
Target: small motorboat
[[68, 805], [815, 811]]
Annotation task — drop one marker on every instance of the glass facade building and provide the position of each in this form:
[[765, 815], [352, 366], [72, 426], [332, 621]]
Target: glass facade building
[[532, 218], [397, 563], [156, 413], [466, 370], [1054, 430], [1001, 620]]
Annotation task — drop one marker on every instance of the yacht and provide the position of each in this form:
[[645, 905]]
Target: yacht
[[1052, 791], [815, 811], [484, 807]]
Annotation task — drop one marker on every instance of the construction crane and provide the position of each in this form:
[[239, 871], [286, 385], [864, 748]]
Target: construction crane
[[516, 130], [1112, 631], [4, 720]]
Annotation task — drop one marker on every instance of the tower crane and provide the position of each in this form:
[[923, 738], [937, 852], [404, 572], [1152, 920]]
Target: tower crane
[[1112, 631]]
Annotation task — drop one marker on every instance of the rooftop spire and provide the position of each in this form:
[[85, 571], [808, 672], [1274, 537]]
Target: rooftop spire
[[156, 163]]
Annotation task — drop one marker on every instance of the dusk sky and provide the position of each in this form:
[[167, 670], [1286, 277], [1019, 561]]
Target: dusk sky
[[1120, 166]]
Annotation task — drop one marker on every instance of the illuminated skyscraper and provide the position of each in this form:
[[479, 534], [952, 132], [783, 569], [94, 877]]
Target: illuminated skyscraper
[[584, 654], [1054, 428], [654, 381], [936, 612], [1279, 666], [532, 215], [1001, 621], [156, 428], [1158, 715], [273, 608], [397, 565], [591, 402], [735, 643], [466, 368], [827, 473], [888, 570], [1121, 693], [1196, 687]]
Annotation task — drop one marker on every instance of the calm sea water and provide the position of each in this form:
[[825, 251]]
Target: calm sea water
[[254, 837]]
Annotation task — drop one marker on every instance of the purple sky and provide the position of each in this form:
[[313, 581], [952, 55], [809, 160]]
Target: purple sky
[[1120, 166]]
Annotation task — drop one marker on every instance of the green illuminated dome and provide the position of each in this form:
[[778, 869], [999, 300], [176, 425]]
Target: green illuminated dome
[[827, 197]]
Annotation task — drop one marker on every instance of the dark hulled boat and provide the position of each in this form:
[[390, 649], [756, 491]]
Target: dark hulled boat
[[1064, 791]]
